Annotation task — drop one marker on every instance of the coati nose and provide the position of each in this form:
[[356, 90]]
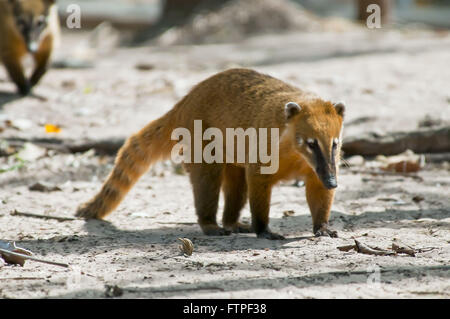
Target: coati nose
[[330, 182], [32, 47]]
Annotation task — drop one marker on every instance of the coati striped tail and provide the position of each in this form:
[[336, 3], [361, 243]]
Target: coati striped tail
[[134, 158]]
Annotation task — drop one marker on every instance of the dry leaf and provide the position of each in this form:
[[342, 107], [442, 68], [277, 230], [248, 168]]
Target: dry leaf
[[187, 247], [288, 213], [51, 128], [403, 167], [43, 187]]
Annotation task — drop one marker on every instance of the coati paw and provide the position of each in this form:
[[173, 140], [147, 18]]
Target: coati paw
[[85, 211], [215, 230], [24, 89], [323, 230], [267, 234]]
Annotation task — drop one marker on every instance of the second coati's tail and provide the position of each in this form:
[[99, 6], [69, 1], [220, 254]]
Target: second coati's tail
[[134, 158]]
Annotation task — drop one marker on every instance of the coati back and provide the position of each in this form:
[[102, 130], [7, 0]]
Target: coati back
[[27, 27], [309, 146]]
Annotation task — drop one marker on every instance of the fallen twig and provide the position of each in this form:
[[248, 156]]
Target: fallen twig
[[26, 257], [397, 248], [109, 147], [347, 247], [384, 173], [22, 278], [364, 249], [403, 250], [177, 289], [177, 223], [60, 218]]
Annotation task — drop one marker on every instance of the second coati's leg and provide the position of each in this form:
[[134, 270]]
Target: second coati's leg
[[319, 200], [259, 193], [206, 180], [16, 73], [235, 192], [41, 59]]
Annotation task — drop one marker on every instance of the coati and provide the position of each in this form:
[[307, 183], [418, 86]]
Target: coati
[[309, 146], [27, 27]]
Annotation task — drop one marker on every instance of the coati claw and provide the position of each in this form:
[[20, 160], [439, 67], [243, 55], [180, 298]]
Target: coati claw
[[325, 231], [84, 212]]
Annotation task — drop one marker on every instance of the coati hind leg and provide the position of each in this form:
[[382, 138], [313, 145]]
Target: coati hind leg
[[206, 180], [235, 190], [259, 193], [319, 200]]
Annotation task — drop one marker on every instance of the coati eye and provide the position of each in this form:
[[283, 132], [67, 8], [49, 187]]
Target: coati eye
[[335, 142], [40, 21], [311, 143]]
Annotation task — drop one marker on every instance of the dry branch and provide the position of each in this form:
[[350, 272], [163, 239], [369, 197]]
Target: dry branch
[[347, 247], [26, 257], [107, 146], [364, 249], [383, 173], [430, 140], [60, 218]]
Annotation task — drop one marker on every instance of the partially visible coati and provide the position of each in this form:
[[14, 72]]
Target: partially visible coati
[[27, 27], [309, 146]]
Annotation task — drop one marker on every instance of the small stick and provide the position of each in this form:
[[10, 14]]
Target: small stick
[[403, 250], [60, 218], [347, 247], [374, 173], [361, 248], [10, 253], [177, 289], [22, 278], [177, 223]]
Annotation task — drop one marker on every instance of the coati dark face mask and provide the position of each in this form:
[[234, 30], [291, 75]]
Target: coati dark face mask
[[31, 18]]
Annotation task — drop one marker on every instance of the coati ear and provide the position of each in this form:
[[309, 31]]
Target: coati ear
[[340, 108], [291, 109]]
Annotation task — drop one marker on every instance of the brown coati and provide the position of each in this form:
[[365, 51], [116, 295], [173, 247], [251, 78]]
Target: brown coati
[[27, 27], [310, 131]]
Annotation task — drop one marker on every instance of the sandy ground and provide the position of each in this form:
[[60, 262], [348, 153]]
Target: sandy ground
[[395, 78]]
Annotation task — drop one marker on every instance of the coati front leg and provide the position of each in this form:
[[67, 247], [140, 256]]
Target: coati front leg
[[259, 192], [41, 60], [235, 190], [206, 180], [16, 73], [319, 200]]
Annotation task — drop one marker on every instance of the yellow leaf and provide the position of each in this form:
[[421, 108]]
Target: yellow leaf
[[50, 128]]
